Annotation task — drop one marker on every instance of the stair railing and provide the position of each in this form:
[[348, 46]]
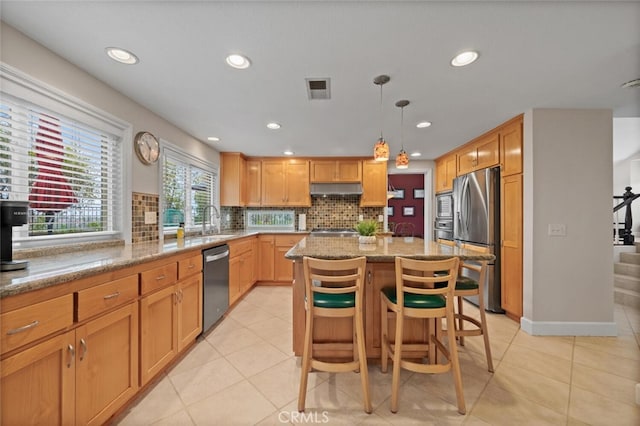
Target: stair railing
[[627, 198]]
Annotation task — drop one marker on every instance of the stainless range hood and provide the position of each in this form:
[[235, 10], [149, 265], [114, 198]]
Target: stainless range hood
[[336, 189]]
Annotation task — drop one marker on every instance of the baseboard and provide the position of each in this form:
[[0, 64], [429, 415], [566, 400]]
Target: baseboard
[[558, 328]]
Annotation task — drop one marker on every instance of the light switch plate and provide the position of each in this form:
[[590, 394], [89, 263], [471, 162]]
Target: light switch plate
[[150, 218], [557, 230], [380, 218], [361, 217]]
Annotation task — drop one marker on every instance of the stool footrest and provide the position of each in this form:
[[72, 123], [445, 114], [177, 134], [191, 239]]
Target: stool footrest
[[335, 367]]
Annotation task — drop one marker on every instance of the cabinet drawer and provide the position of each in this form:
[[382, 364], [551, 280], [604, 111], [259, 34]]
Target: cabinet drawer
[[288, 240], [158, 277], [95, 300], [30, 323], [236, 248], [189, 266]]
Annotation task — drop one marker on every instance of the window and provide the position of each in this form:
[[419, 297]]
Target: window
[[188, 186], [67, 168]]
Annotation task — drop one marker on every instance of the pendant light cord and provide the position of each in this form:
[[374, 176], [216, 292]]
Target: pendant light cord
[[402, 127], [381, 113]]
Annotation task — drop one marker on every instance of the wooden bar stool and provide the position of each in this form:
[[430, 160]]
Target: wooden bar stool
[[466, 286], [416, 296], [333, 288]]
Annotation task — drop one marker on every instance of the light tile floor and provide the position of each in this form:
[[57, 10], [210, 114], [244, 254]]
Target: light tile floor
[[244, 373]]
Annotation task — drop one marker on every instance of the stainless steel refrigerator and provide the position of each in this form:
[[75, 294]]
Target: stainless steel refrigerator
[[476, 220]]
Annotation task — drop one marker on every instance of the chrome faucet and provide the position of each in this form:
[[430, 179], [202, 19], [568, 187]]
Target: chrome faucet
[[213, 227]]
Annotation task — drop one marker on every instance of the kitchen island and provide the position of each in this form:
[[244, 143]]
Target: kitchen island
[[380, 272]]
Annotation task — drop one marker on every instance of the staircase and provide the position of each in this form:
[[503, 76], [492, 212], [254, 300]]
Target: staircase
[[626, 279]]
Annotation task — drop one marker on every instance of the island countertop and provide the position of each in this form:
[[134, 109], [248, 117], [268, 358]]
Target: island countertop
[[386, 249]]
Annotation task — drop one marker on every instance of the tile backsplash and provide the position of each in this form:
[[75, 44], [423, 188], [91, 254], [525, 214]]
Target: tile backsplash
[[333, 211], [141, 203]]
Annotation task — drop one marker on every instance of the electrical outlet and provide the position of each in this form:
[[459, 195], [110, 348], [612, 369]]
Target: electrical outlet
[[557, 230], [150, 218], [380, 218], [361, 217]]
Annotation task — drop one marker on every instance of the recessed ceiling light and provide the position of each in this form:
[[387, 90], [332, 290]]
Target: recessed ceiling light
[[464, 58], [121, 55], [423, 124], [288, 152], [273, 126], [238, 61], [416, 154], [213, 139]]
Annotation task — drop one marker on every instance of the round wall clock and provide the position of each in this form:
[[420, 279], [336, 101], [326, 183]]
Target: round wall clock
[[147, 147]]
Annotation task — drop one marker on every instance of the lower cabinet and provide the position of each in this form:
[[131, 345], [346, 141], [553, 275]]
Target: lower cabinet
[[170, 319], [283, 267], [80, 377], [266, 244], [242, 265]]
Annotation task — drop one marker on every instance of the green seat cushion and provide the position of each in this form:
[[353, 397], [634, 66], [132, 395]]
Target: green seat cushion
[[423, 301], [325, 300], [462, 283]]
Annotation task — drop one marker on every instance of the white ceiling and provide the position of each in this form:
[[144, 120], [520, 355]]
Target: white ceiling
[[532, 55]]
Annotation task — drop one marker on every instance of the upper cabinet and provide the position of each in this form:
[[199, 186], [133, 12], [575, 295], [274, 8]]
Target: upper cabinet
[[253, 184], [479, 154], [374, 184], [285, 183], [446, 168], [511, 147], [232, 184], [336, 171]]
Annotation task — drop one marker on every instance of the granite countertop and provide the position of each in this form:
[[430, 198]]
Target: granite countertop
[[52, 269], [386, 249]]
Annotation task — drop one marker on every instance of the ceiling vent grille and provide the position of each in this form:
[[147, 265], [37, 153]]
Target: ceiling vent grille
[[318, 88]]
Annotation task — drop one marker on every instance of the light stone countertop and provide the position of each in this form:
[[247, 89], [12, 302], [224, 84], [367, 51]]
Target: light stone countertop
[[386, 249], [53, 269]]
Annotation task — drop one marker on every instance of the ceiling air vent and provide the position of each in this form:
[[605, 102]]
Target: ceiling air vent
[[318, 88]]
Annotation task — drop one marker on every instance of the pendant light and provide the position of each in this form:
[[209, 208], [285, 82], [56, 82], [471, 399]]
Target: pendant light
[[381, 148], [402, 160]]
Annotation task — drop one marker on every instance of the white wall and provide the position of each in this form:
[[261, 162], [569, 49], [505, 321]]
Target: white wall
[[26, 55], [568, 176]]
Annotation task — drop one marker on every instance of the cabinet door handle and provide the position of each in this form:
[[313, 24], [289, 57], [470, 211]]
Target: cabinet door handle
[[111, 296], [191, 266], [175, 297], [160, 277], [83, 346], [23, 328], [369, 277], [72, 355]]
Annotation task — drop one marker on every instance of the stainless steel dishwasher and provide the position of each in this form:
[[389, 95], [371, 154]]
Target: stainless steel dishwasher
[[215, 297]]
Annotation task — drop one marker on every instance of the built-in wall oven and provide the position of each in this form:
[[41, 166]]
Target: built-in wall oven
[[443, 225]]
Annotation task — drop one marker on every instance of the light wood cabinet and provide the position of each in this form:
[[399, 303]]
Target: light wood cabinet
[[374, 184], [232, 179], [38, 384], [336, 171], [285, 183], [479, 154], [106, 364], [446, 168], [511, 147], [241, 267], [253, 183], [511, 250], [266, 256], [79, 377], [283, 267], [170, 318]]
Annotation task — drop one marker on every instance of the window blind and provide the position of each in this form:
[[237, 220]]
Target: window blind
[[68, 171], [188, 186]]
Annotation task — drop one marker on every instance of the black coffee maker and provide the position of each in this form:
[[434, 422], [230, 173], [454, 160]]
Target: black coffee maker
[[12, 213]]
